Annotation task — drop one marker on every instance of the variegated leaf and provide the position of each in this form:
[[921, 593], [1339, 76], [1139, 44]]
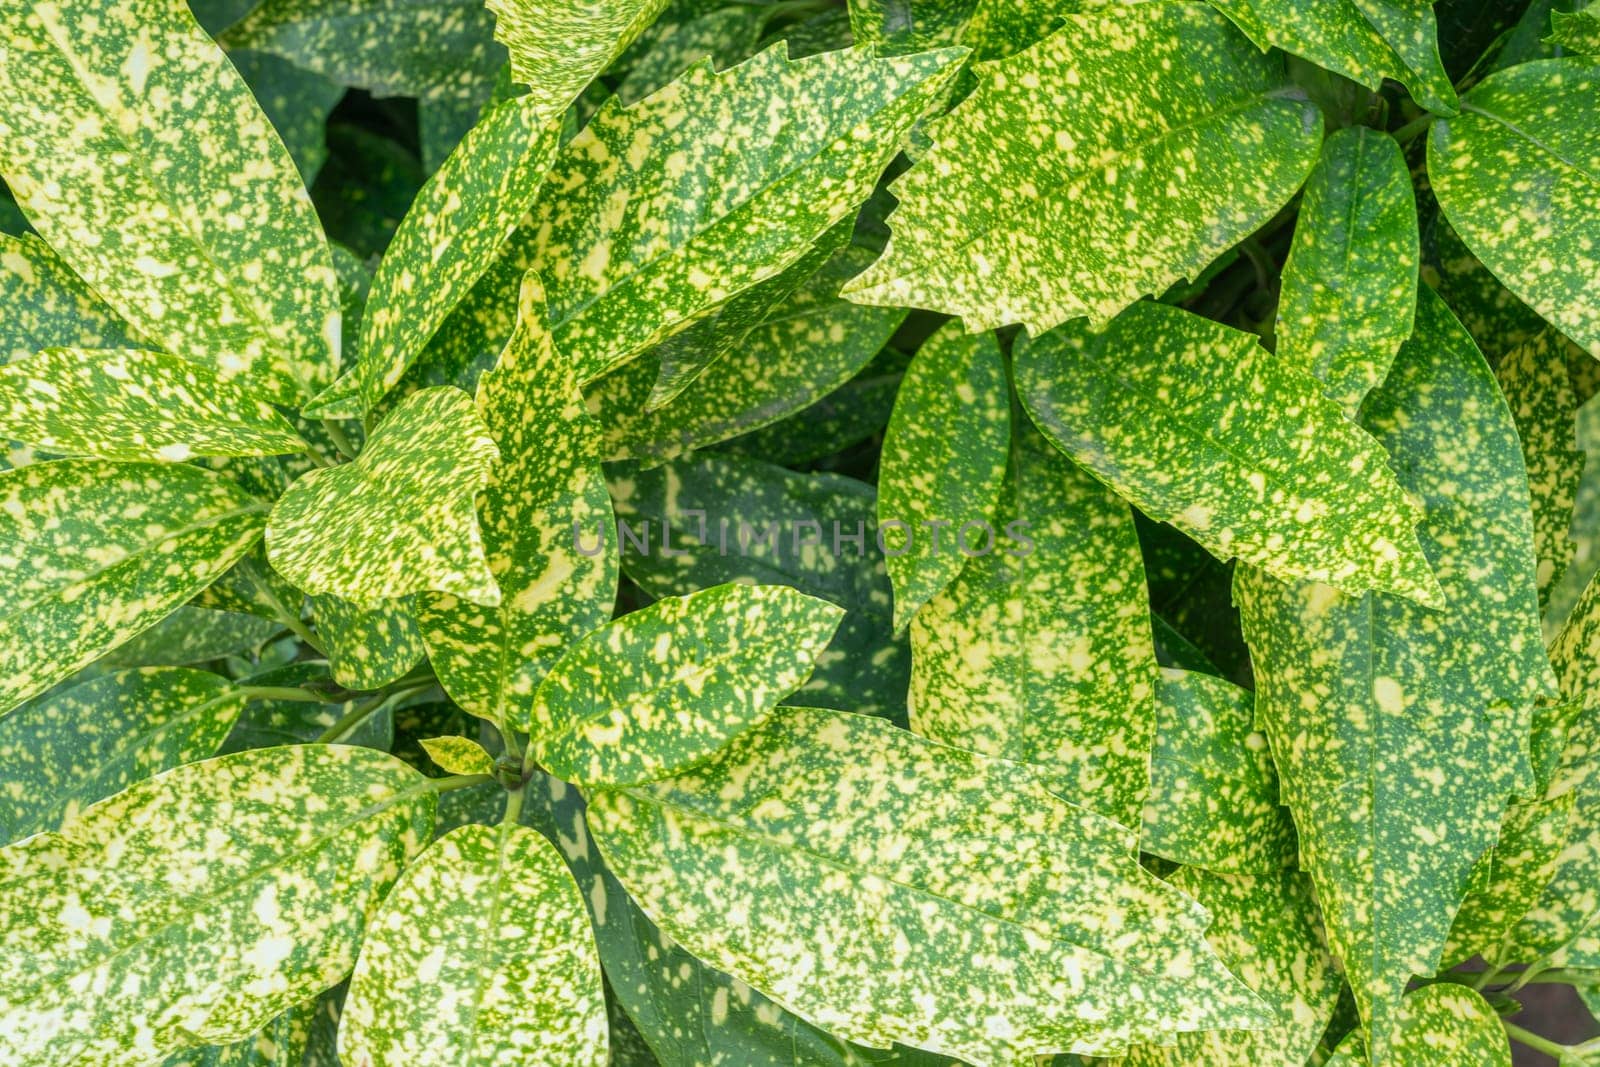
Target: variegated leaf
[[1118, 155], [1518, 175], [1201, 427], [1533, 377], [398, 519], [507, 973], [188, 218], [283, 1042], [192, 635], [447, 240], [545, 489], [1040, 651], [558, 46], [65, 749], [200, 903], [1443, 1025], [368, 647], [887, 888], [1364, 40], [1350, 285], [1401, 733], [1576, 31], [683, 37], [1213, 800], [94, 553], [1509, 879], [48, 306], [661, 688], [458, 755], [661, 212], [944, 461], [136, 405]]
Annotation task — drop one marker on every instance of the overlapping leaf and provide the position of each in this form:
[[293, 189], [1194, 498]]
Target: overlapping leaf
[[1365, 40], [661, 688], [683, 37], [1040, 650], [944, 460], [188, 218], [916, 893], [1350, 284], [1200, 427], [506, 974], [1576, 31], [200, 903], [1400, 733], [401, 517], [458, 755], [1118, 155], [1518, 175], [659, 213], [1442, 1025], [93, 553], [48, 306], [558, 46], [367, 647]]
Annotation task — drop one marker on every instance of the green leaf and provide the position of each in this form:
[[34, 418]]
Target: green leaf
[[398, 519], [48, 306], [1120, 154], [1577, 31], [217, 255], [704, 520], [842, 867], [1213, 800], [298, 103], [1516, 174], [1510, 878], [95, 553], [1041, 650], [724, 35], [852, 413], [558, 46], [659, 213], [448, 238], [437, 49], [1350, 286], [1443, 1025], [458, 755], [200, 903], [909, 25], [1364, 40], [506, 974], [368, 648], [1199, 426], [135, 405], [192, 635], [546, 488], [66, 749], [944, 461], [283, 1042], [1533, 377], [661, 688], [1401, 732], [1267, 929]]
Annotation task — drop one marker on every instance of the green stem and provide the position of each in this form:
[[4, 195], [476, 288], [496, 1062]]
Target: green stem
[[1526, 976], [340, 441], [1534, 1041], [1488, 975], [457, 781], [1407, 133], [1560, 976], [361, 712], [288, 618], [270, 692], [513, 805]]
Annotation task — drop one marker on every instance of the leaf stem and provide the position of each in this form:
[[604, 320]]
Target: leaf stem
[[272, 692], [288, 618], [513, 810], [340, 441], [1409, 132], [456, 781], [1534, 1041], [361, 712]]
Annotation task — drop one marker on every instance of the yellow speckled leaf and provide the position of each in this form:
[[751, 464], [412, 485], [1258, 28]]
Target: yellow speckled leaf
[[458, 755], [368, 648], [199, 904], [558, 46], [1443, 1025], [48, 306], [506, 974], [156, 176]]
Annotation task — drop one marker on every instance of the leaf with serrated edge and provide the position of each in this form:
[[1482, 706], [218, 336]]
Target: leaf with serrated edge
[[447, 240], [1350, 286], [1268, 931], [1401, 733], [1444, 1025], [1517, 173], [1213, 800], [48, 306], [367, 648], [1510, 878], [900, 890], [1533, 377], [401, 517], [1364, 40], [1201, 427], [944, 460], [200, 903], [136, 405], [558, 46], [659, 213], [1040, 651], [458, 755], [472, 993], [66, 749], [1118, 155], [188, 218], [658, 689], [95, 553], [545, 499]]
